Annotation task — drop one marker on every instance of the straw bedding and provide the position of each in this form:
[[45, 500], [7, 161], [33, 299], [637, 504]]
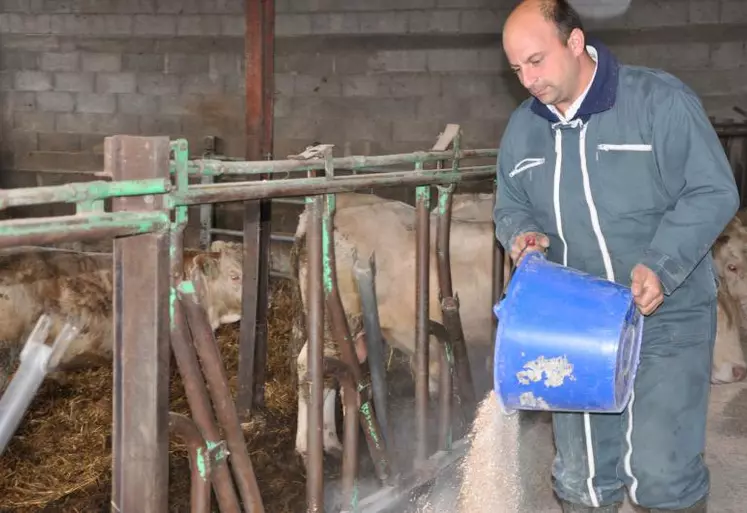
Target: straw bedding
[[60, 457]]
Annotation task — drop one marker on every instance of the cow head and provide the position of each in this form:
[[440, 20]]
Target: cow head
[[218, 277], [730, 259]]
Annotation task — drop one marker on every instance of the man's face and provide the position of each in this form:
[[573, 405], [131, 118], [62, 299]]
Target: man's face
[[546, 67]]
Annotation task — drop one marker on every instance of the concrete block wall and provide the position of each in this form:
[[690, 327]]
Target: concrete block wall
[[369, 77], [72, 72]]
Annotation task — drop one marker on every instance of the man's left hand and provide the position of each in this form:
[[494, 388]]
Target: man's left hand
[[646, 289]]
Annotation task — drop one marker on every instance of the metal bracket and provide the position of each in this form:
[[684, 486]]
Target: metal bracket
[[311, 152], [217, 452]]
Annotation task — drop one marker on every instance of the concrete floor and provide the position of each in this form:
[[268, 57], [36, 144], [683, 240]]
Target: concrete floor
[[726, 455], [726, 452]]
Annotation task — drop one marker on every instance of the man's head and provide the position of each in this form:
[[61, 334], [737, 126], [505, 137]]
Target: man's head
[[545, 46]]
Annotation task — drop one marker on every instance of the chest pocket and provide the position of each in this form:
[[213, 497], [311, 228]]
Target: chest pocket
[[534, 175], [628, 179]]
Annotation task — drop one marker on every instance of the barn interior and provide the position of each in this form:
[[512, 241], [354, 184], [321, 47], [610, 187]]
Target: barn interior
[[369, 77]]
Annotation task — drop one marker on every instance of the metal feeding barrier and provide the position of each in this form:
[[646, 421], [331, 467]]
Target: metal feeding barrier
[[157, 311]]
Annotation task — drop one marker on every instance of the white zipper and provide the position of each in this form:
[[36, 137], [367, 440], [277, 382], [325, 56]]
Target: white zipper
[[556, 190], [526, 164], [624, 147]]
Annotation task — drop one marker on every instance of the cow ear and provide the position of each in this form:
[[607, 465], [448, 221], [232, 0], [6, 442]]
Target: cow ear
[[218, 246], [207, 266]]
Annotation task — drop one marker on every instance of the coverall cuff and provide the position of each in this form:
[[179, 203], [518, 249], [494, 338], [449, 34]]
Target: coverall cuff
[[519, 231], [669, 272]]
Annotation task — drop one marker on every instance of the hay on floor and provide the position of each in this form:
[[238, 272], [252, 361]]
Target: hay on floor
[[60, 457]]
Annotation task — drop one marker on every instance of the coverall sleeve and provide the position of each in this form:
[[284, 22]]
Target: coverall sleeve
[[512, 213], [696, 172]]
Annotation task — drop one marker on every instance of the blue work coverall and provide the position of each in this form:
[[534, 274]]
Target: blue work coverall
[[636, 176]]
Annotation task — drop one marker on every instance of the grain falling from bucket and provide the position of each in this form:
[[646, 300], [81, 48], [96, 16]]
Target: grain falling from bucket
[[491, 481]]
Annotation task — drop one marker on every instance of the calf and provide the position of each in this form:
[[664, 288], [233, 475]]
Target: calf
[[364, 224], [78, 286], [730, 259]]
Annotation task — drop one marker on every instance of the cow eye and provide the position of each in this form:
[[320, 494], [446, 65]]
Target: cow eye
[[732, 267]]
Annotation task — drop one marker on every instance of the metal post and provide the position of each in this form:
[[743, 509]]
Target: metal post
[[259, 111], [315, 323], [141, 337], [220, 393], [422, 339], [198, 400], [199, 456]]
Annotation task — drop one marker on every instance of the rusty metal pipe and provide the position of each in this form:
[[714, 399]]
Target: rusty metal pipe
[[249, 190], [80, 228], [422, 286], [257, 213], [268, 75], [225, 409], [445, 395], [183, 427], [344, 376], [352, 163], [365, 276], [339, 327], [315, 323], [457, 352], [199, 404]]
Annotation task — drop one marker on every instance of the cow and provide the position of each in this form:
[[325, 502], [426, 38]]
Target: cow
[[730, 260], [364, 224], [78, 286]]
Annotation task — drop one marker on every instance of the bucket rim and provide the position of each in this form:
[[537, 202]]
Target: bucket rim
[[523, 263]]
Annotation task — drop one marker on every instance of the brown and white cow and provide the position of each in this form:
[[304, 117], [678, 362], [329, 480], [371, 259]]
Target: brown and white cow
[[366, 224], [730, 259], [78, 286]]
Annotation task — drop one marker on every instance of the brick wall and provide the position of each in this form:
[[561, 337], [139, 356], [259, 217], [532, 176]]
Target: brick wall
[[370, 77]]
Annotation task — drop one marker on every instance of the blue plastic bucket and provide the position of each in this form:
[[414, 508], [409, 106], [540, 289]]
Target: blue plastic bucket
[[566, 340]]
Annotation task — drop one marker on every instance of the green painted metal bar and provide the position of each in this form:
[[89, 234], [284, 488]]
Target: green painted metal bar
[[221, 167], [51, 230], [243, 191], [83, 192]]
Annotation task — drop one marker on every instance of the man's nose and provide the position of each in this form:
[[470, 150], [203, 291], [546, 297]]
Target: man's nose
[[528, 78]]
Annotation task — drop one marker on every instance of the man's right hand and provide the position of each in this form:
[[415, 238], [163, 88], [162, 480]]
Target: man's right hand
[[527, 242]]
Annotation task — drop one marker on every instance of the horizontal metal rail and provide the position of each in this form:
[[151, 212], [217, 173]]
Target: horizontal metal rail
[[81, 192], [244, 191], [277, 237], [80, 227], [221, 167]]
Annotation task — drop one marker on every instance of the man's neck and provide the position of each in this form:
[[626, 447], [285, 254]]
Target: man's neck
[[586, 72]]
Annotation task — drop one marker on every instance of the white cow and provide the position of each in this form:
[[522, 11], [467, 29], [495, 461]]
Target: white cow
[[369, 224], [78, 286], [730, 259]]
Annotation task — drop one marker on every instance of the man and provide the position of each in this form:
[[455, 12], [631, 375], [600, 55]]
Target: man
[[616, 170]]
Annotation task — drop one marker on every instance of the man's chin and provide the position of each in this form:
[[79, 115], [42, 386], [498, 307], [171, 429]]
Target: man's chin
[[545, 98]]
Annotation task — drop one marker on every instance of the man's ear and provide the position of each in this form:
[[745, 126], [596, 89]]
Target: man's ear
[[577, 42]]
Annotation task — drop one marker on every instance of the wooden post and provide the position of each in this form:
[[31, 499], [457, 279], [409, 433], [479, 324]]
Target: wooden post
[[140, 431], [259, 52]]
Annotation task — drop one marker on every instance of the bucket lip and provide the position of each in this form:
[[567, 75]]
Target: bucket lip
[[523, 263], [528, 258]]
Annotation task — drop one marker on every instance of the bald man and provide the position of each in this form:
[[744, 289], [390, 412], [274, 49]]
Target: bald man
[[617, 171]]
